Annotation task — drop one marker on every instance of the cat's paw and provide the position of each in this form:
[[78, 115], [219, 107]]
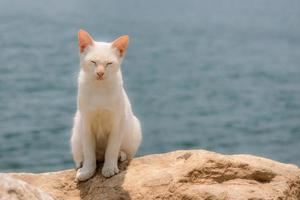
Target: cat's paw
[[109, 170], [122, 156], [84, 174]]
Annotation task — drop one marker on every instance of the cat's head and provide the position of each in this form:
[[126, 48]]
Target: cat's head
[[101, 60]]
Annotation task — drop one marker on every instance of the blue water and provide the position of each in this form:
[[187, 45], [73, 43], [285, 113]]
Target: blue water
[[217, 75]]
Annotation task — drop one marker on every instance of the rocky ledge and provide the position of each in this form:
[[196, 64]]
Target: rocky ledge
[[176, 175]]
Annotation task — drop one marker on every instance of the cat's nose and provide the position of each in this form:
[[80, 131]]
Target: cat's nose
[[100, 74]]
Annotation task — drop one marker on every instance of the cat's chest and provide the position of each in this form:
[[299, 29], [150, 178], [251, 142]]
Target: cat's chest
[[101, 122], [97, 98]]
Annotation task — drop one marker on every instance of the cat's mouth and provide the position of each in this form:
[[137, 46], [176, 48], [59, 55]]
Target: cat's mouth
[[100, 78]]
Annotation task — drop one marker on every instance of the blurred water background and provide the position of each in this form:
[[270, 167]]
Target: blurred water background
[[216, 75]]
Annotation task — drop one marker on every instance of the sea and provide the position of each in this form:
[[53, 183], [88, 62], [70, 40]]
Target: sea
[[222, 76]]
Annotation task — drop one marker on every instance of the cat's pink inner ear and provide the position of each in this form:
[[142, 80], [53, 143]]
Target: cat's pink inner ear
[[121, 44], [84, 40]]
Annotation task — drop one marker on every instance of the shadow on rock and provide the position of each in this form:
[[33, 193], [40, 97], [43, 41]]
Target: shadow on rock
[[99, 187]]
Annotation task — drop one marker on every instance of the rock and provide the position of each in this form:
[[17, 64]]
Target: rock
[[14, 189], [189, 175]]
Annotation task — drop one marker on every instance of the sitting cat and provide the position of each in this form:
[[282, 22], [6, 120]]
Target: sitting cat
[[105, 127]]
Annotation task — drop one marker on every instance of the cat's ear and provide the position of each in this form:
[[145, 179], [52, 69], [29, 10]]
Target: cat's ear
[[84, 40], [121, 44]]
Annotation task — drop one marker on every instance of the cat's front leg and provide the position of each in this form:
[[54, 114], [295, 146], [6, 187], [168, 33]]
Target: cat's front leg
[[110, 166], [75, 141], [89, 153]]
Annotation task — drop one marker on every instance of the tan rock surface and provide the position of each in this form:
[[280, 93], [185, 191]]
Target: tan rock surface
[[14, 189], [188, 175]]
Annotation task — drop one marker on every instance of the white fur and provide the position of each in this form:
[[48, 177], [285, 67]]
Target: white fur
[[105, 127]]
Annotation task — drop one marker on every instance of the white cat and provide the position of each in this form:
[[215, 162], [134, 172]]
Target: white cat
[[105, 127]]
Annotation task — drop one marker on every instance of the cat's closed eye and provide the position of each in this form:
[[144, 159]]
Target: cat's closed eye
[[108, 64], [94, 62]]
